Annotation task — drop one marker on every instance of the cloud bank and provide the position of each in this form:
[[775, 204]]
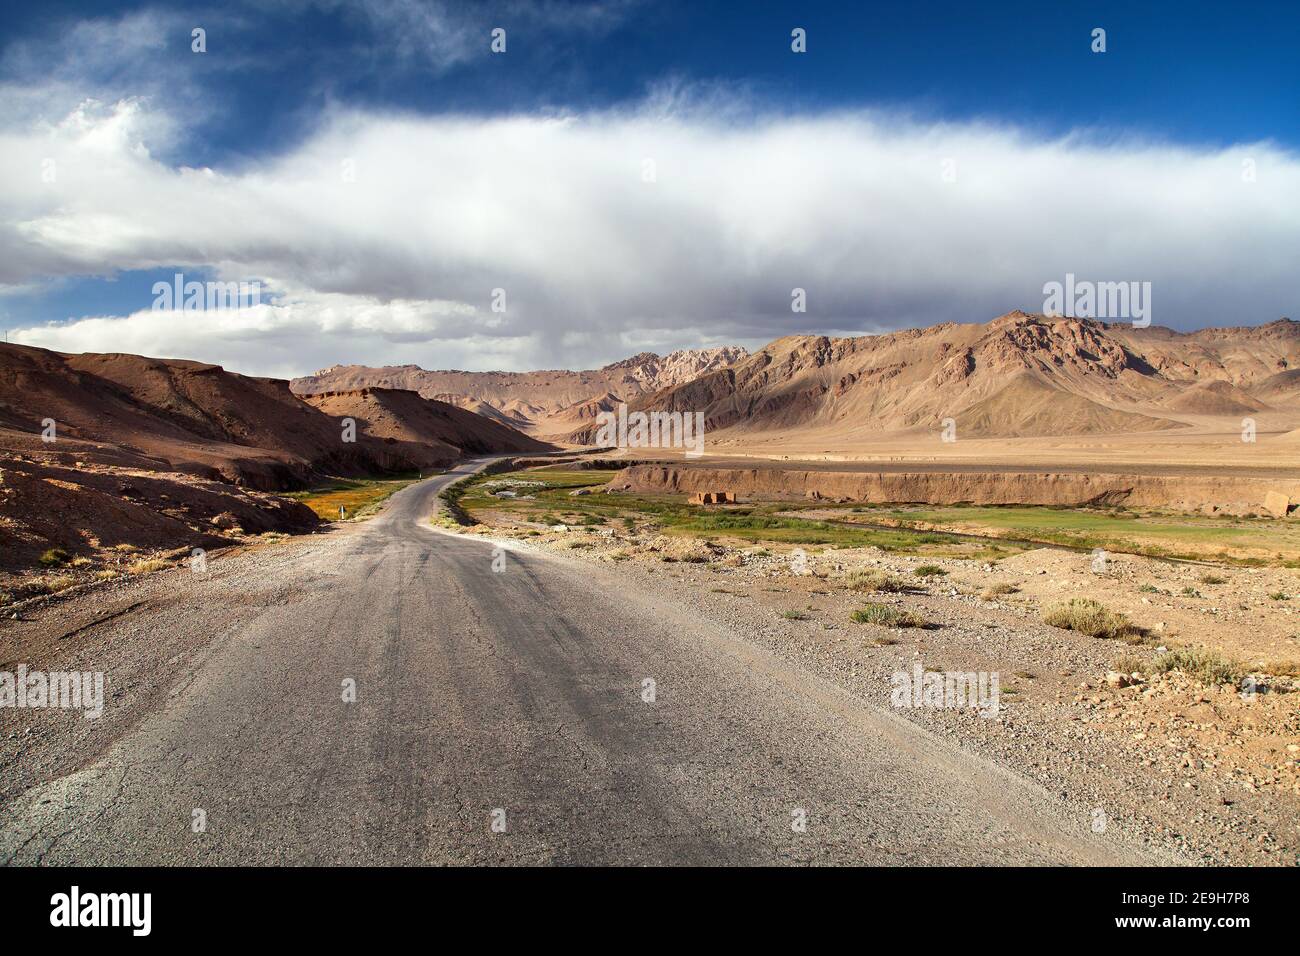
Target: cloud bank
[[381, 238]]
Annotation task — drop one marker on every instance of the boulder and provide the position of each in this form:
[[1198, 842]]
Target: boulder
[[1276, 504]]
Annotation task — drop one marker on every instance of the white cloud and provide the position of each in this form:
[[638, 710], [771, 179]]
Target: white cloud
[[853, 207]]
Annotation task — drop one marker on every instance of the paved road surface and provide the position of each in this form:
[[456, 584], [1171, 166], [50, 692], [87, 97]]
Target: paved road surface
[[518, 691]]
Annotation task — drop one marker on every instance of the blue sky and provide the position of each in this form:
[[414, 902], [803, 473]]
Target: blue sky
[[472, 167]]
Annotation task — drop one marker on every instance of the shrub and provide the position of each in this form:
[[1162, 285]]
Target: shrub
[[1190, 592], [1089, 617], [995, 591], [60, 582], [873, 580], [1149, 589], [145, 565], [929, 571], [886, 616], [1208, 667], [1212, 579], [794, 615], [53, 558], [107, 574], [1279, 596]]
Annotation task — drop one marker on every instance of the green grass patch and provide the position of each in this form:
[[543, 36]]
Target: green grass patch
[[1156, 535], [53, 558], [551, 503]]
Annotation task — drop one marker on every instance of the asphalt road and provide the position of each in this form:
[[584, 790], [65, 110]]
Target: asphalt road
[[513, 697]]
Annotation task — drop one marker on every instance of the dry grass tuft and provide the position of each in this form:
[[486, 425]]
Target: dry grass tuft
[[146, 565], [886, 616], [1089, 617], [874, 580], [995, 591], [1208, 667]]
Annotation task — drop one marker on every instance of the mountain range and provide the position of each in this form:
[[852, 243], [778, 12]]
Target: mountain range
[[548, 404]]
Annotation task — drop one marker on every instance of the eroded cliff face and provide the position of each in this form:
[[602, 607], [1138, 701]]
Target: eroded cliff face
[[1175, 492]]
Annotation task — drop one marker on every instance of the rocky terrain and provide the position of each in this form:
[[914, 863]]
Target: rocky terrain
[[1019, 375], [547, 404], [99, 452]]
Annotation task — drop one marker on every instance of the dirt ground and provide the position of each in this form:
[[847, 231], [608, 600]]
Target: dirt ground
[[1211, 771]]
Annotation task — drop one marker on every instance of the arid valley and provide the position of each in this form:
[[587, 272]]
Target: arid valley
[[1100, 517]]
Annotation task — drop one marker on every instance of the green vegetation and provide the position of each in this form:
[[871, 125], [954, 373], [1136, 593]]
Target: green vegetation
[[54, 558], [886, 616], [1240, 541], [1279, 596], [1212, 579], [1208, 667], [551, 503], [1090, 617], [874, 580], [360, 496], [795, 615], [929, 571]]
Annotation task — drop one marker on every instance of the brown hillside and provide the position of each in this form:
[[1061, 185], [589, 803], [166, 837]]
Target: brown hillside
[[402, 418], [1087, 377], [547, 404]]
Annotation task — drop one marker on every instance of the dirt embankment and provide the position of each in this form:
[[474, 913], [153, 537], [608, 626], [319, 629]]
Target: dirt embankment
[[1232, 495]]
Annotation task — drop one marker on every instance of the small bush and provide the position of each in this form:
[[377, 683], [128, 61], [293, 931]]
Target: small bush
[[1279, 596], [886, 616], [929, 571], [53, 558], [1149, 589], [873, 580], [794, 615], [1208, 667], [52, 585], [145, 565], [1212, 579], [1190, 592], [106, 575], [125, 548], [1089, 617], [5, 598], [995, 591]]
